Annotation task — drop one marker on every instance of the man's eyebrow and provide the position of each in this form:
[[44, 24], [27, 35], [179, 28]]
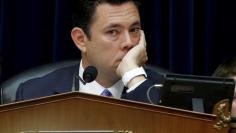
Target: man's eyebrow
[[113, 25], [137, 23]]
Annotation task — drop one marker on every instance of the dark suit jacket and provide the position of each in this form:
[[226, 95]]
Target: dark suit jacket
[[62, 80]]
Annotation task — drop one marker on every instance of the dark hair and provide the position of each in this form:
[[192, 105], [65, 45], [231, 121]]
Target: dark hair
[[84, 10], [226, 69]]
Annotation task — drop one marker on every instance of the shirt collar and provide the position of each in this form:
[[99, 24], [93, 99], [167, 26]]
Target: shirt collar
[[97, 89]]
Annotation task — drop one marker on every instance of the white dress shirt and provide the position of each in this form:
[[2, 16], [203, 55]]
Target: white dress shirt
[[95, 88]]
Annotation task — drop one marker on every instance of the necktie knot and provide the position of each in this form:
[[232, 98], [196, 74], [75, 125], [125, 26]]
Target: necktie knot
[[107, 93]]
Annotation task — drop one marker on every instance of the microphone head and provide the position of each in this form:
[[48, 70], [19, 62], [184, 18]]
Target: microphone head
[[90, 74]]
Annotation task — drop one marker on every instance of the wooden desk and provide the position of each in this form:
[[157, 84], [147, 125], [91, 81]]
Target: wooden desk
[[78, 111]]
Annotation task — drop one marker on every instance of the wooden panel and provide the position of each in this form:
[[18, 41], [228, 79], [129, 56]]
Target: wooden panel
[[78, 111]]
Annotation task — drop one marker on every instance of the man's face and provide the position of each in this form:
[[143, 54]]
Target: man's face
[[114, 31]]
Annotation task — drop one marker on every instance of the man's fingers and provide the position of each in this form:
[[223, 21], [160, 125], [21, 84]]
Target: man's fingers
[[142, 38]]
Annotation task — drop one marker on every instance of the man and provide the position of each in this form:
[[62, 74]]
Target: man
[[108, 34]]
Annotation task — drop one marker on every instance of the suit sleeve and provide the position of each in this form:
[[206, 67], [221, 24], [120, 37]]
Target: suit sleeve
[[145, 92]]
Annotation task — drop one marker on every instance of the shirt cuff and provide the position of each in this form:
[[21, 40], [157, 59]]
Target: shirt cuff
[[128, 76]]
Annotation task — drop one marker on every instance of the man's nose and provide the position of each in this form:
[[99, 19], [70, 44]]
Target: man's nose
[[128, 42]]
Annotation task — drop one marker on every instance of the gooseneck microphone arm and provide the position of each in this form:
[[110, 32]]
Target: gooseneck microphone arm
[[80, 79]]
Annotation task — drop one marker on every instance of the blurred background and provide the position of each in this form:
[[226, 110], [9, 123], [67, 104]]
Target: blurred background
[[184, 36]]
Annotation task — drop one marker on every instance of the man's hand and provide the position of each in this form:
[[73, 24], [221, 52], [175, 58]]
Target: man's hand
[[136, 57]]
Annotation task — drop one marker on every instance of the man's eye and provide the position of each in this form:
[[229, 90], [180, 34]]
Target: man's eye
[[135, 30], [112, 32]]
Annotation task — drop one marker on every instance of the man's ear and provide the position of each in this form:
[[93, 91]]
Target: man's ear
[[79, 38]]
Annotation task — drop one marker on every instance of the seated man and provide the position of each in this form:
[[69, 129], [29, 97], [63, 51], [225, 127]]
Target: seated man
[[108, 34]]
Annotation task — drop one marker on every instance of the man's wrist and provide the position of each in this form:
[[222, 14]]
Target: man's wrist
[[128, 76]]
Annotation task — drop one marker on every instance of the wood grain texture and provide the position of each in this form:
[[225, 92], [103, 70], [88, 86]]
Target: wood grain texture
[[78, 111]]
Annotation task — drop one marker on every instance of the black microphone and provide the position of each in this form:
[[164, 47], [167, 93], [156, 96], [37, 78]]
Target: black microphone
[[89, 75]]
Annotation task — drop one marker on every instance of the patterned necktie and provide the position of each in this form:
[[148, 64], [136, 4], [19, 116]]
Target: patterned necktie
[[106, 93]]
